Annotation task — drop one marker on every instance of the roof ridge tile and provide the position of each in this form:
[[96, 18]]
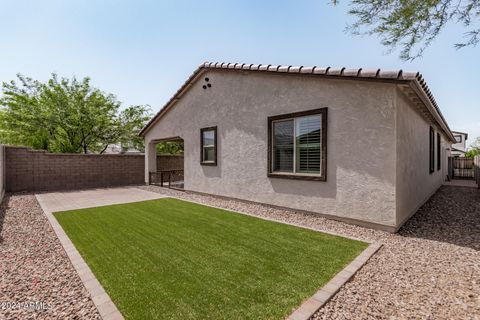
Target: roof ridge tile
[[398, 75], [264, 67]]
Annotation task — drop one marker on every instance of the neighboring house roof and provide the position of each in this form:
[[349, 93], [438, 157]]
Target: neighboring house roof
[[418, 89], [464, 133]]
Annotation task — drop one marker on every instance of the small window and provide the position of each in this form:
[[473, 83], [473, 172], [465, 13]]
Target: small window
[[439, 152], [297, 145], [458, 138], [208, 146], [432, 150]]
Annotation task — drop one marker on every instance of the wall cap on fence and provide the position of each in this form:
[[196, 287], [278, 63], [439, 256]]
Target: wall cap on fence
[[16, 147], [47, 153], [95, 154]]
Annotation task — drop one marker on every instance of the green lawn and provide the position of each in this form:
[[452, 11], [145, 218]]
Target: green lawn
[[172, 259]]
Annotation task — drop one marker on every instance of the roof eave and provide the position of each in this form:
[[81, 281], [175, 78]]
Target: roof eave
[[421, 90], [414, 79]]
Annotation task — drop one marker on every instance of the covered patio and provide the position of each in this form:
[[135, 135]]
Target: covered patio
[[172, 178]]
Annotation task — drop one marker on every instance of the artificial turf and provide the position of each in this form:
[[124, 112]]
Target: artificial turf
[[172, 259]]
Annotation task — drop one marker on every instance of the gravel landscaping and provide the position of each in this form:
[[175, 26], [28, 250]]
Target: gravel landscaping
[[429, 270], [34, 268]]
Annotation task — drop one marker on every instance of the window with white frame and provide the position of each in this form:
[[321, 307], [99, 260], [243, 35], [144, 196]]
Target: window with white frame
[[297, 145]]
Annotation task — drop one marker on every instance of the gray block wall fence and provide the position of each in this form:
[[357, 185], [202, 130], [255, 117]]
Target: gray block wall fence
[[37, 170]]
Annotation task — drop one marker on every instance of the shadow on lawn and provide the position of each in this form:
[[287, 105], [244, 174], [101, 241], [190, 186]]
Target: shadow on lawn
[[451, 215]]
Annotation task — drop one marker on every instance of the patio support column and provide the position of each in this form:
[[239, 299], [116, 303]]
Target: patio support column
[[150, 160]]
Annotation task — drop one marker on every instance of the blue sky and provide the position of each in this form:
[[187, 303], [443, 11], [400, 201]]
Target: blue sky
[[142, 51]]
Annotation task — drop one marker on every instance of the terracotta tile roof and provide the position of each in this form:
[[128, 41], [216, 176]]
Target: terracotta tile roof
[[328, 71], [399, 76]]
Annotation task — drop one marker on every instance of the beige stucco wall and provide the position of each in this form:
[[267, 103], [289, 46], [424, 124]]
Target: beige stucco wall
[[415, 183], [361, 141]]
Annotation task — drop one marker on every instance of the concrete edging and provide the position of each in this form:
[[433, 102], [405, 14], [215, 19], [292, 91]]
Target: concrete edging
[[322, 296], [272, 219], [105, 306], [108, 310], [328, 291], [351, 221]]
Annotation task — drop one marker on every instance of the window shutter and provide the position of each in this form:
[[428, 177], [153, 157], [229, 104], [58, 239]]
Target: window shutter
[[432, 150], [439, 152], [308, 144], [283, 135]]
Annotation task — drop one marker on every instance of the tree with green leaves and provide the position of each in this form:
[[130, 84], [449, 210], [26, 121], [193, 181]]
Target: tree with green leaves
[[130, 121], [170, 147], [413, 24], [474, 149], [472, 153], [66, 115]]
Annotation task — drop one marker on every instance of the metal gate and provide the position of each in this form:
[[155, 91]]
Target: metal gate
[[476, 165], [461, 168], [172, 179]]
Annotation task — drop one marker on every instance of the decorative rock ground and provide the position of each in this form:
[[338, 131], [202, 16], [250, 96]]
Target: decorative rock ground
[[34, 268], [429, 270]]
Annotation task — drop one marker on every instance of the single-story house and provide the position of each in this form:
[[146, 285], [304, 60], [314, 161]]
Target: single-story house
[[367, 147]]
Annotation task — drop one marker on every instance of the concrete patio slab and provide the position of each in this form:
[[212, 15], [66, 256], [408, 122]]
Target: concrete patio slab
[[71, 200], [461, 183]]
